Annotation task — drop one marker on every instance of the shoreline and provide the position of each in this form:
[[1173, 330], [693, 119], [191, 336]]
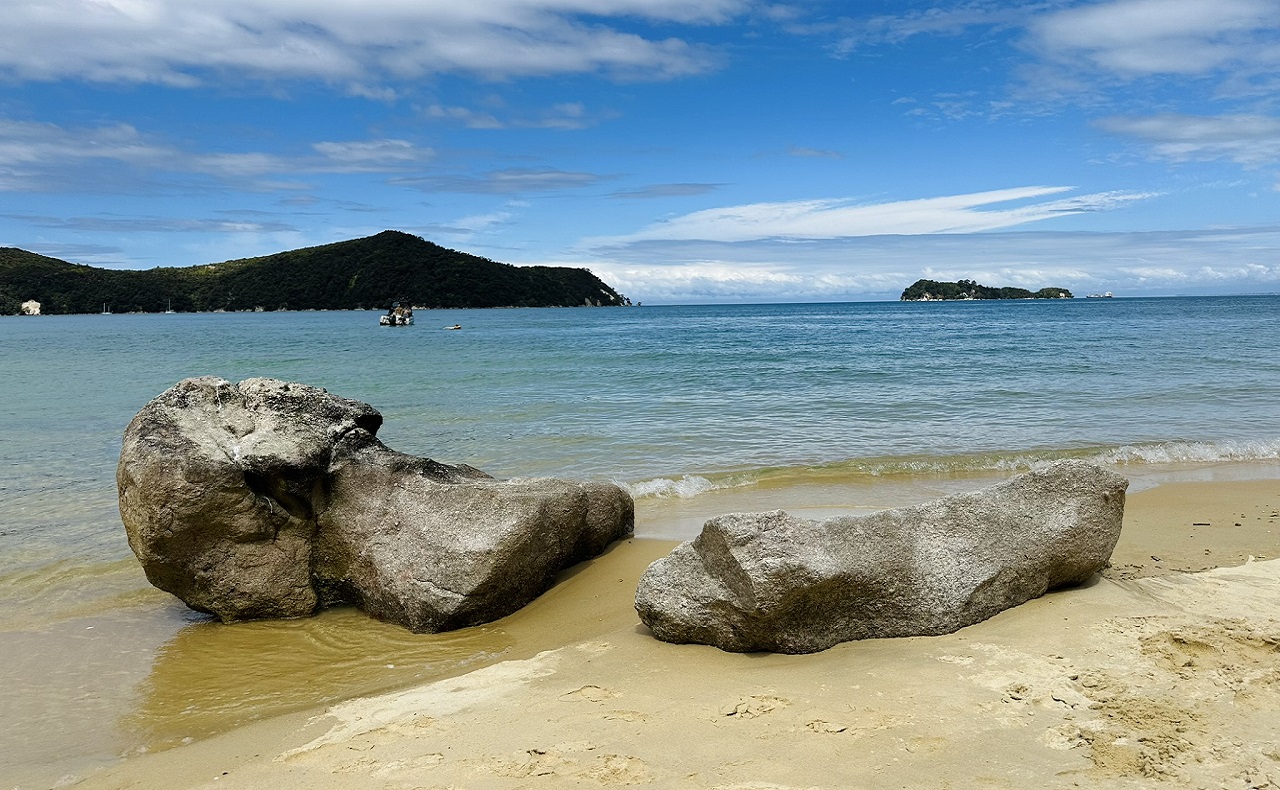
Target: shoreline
[[579, 692]]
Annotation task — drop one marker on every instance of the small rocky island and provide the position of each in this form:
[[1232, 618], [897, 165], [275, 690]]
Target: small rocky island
[[964, 290]]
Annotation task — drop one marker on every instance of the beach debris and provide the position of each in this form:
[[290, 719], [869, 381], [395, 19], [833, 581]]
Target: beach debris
[[272, 499], [771, 581]]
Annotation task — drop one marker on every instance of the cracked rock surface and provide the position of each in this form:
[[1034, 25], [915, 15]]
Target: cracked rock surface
[[272, 499]]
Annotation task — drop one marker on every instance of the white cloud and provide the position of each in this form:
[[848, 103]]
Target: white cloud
[[727, 281], [1134, 38], [26, 142], [1083, 49], [176, 42], [859, 33], [654, 191], [1250, 140], [1241, 260], [371, 156], [43, 156], [508, 181], [118, 224], [567, 116], [826, 219], [813, 153], [472, 119]]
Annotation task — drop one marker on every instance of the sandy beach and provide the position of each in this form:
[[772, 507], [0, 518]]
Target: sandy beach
[[1163, 671]]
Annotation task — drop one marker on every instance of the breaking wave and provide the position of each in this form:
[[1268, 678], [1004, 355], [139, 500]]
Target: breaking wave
[[686, 487], [868, 469]]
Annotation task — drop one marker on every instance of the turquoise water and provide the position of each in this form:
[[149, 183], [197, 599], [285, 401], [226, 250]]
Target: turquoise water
[[665, 399], [671, 401]]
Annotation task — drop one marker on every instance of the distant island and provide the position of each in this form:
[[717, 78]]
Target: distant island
[[934, 291], [367, 273]]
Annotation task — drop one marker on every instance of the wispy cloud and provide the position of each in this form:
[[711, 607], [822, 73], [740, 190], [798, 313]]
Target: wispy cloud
[[566, 116], [93, 254], [465, 228], [854, 33], [46, 157], [666, 190], [1238, 260], [179, 43], [120, 224], [1250, 140], [369, 156], [466, 116], [827, 219], [509, 181], [1085, 51], [813, 153]]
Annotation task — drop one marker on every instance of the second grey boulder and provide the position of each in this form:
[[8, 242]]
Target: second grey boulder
[[769, 581]]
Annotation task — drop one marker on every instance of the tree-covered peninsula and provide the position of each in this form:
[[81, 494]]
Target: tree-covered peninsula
[[934, 291], [366, 273]]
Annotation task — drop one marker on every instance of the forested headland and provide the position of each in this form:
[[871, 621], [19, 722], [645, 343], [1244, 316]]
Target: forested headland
[[367, 273]]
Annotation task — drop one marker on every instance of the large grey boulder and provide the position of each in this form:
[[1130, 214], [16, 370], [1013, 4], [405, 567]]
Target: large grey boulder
[[769, 581], [273, 499]]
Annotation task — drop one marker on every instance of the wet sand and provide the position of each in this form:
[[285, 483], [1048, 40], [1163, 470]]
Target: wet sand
[[1147, 676]]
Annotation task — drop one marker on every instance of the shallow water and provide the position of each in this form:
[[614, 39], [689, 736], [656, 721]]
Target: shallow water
[[818, 408]]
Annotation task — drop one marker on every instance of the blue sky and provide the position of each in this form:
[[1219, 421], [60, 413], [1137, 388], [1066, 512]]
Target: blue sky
[[712, 151]]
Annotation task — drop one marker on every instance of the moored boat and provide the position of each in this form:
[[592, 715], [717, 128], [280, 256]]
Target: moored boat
[[398, 315]]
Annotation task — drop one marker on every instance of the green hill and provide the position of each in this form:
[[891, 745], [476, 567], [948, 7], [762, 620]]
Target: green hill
[[371, 272], [934, 291]]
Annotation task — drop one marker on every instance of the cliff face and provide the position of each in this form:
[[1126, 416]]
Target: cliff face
[[371, 272]]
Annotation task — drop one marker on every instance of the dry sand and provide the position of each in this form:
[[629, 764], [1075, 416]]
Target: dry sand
[[1149, 676]]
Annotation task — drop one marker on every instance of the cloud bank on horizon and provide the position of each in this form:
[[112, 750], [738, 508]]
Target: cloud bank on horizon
[[728, 150]]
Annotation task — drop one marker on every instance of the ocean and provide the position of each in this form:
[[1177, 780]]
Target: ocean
[[832, 407]]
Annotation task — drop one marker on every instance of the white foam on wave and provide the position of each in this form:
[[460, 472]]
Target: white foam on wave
[[686, 487], [1192, 452], [1155, 453], [1175, 452], [952, 464]]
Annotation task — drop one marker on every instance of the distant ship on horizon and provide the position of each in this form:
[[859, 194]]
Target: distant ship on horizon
[[1103, 295]]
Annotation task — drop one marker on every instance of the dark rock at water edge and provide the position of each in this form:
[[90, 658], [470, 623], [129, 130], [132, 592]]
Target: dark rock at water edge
[[272, 499], [769, 581]]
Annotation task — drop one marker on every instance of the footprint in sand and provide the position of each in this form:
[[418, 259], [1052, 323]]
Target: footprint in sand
[[759, 786], [589, 693], [754, 706], [626, 715], [573, 763]]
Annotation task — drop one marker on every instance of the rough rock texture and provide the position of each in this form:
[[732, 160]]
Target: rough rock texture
[[768, 581], [433, 554], [271, 499]]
